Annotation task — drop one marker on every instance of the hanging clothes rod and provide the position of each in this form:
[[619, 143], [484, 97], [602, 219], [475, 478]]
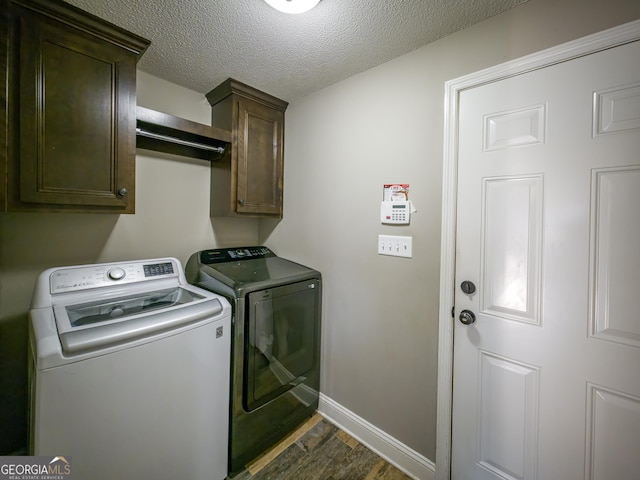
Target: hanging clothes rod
[[187, 143]]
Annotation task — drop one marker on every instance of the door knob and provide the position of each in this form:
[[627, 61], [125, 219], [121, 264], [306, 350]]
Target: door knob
[[467, 317], [468, 287]]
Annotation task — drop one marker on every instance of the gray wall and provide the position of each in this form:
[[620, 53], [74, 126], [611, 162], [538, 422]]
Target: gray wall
[[386, 126], [342, 144]]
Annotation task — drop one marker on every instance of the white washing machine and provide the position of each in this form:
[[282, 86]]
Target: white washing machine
[[129, 372]]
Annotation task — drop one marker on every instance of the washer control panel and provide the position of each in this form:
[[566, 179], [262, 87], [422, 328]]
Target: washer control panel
[[73, 279]]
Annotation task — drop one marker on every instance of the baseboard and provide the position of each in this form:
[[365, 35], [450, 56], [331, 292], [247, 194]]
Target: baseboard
[[409, 461]]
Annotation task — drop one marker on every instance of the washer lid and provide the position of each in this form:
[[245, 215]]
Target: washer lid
[[119, 308], [116, 319]]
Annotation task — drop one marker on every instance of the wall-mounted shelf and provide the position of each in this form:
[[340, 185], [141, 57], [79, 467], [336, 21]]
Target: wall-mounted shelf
[[162, 132]]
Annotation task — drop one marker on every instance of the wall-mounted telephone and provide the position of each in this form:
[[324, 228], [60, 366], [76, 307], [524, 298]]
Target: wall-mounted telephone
[[395, 212]]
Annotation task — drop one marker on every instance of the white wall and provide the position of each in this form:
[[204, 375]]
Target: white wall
[[384, 126]]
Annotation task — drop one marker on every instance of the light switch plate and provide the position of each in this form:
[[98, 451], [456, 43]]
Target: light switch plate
[[394, 245]]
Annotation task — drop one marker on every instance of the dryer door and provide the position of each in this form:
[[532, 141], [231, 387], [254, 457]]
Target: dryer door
[[282, 340]]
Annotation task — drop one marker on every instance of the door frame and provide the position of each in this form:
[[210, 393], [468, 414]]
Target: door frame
[[609, 38]]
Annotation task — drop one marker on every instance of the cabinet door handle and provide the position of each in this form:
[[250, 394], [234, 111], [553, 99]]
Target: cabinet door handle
[[241, 202], [123, 192]]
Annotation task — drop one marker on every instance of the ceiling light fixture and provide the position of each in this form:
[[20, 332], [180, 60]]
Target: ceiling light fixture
[[293, 6]]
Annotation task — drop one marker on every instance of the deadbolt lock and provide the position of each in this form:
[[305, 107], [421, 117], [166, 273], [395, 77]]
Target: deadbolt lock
[[468, 287]]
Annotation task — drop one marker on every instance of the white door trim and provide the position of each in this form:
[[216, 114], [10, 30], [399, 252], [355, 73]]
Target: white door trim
[[613, 37]]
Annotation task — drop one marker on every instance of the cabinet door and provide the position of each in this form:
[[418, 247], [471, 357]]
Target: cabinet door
[[75, 144], [260, 138]]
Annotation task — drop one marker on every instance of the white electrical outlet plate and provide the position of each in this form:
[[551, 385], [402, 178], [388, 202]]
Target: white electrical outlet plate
[[394, 245]]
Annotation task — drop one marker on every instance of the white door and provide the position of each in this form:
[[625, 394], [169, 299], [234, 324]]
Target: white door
[[547, 379]]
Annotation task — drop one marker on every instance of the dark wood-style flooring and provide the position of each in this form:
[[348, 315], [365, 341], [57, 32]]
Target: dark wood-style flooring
[[318, 450]]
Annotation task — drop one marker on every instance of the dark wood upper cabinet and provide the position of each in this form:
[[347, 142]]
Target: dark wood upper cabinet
[[249, 181], [70, 108]]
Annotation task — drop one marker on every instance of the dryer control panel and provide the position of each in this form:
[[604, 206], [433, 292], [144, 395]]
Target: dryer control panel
[[222, 255]]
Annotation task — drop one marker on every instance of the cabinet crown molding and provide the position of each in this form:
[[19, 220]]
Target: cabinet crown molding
[[233, 87], [84, 21]]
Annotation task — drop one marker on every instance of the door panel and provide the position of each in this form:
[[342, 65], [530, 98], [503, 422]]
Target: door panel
[[548, 224], [612, 415], [260, 158], [616, 196], [511, 257], [74, 129], [508, 392]]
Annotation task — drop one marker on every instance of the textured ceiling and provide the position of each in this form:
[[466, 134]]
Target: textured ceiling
[[200, 43]]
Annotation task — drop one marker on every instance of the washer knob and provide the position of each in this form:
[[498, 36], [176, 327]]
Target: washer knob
[[116, 273]]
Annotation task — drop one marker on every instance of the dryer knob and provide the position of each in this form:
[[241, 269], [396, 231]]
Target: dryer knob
[[116, 273]]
